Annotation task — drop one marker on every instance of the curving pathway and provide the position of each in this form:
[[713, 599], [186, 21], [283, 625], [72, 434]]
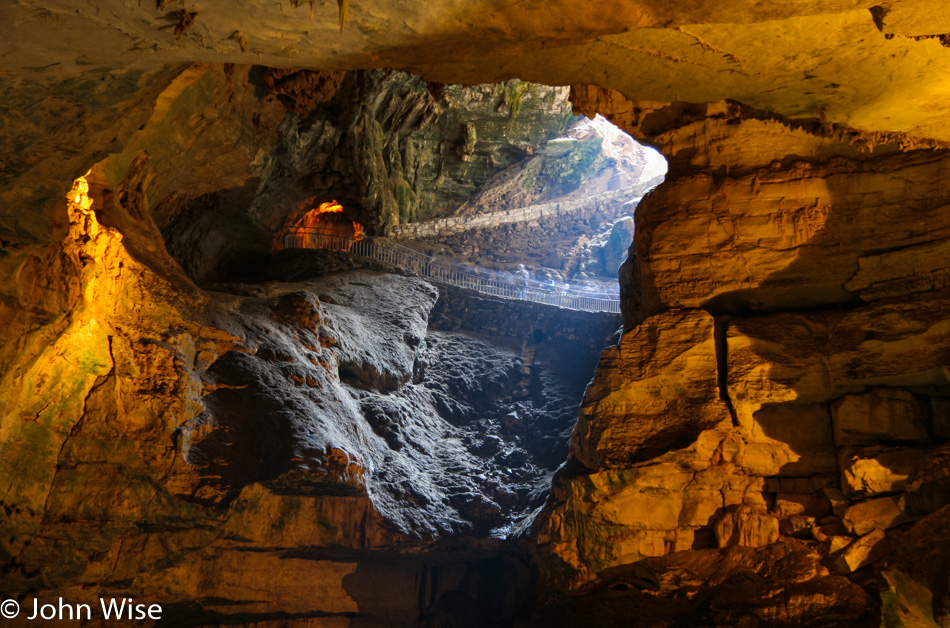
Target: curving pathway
[[588, 297]]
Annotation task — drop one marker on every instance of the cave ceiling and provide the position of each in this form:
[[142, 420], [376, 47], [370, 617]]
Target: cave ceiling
[[79, 80], [872, 66]]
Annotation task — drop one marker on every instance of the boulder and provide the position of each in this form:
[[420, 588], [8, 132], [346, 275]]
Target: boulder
[[799, 526], [745, 526], [838, 543], [876, 514], [862, 552], [619, 516], [655, 391], [883, 414], [875, 470]]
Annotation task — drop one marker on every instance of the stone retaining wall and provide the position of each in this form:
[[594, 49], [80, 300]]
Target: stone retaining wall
[[581, 209]]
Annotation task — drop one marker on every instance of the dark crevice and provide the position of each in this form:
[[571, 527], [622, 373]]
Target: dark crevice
[[877, 14], [720, 329]]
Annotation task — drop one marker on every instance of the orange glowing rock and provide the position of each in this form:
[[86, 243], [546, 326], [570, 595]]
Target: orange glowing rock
[[330, 207], [317, 230], [312, 217], [79, 194]]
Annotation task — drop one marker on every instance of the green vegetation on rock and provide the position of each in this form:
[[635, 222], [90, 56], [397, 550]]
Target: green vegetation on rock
[[514, 95], [405, 200], [563, 166]]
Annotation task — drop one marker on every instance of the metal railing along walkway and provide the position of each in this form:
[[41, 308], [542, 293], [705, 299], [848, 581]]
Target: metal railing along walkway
[[577, 296], [489, 220]]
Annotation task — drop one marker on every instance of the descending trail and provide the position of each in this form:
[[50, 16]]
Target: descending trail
[[629, 196], [588, 297]]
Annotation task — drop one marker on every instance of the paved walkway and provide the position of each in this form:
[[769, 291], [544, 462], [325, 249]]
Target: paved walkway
[[459, 224], [589, 297]]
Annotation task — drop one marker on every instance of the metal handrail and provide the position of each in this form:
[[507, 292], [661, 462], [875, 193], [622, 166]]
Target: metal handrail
[[570, 296], [433, 227]]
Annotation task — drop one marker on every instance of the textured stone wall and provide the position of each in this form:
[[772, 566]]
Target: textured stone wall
[[522, 321], [601, 206], [388, 147], [393, 150], [783, 374]]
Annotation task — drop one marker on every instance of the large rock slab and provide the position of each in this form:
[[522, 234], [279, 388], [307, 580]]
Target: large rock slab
[[817, 357], [862, 552], [872, 471], [806, 232], [879, 415], [615, 517], [655, 391], [882, 513]]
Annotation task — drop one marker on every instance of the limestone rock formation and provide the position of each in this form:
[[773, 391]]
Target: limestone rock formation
[[391, 152], [793, 391], [745, 454], [163, 442]]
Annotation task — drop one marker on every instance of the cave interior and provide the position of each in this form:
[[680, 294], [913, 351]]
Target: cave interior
[[476, 314]]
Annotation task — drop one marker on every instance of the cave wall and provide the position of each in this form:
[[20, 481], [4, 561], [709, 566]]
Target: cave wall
[[394, 149], [196, 448], [795, 391], [390, 147]]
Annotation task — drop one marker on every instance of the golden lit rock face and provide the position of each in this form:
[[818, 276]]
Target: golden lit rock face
[[60, 405], [102, 410], [792, 317], [678, 380], [801, 59]]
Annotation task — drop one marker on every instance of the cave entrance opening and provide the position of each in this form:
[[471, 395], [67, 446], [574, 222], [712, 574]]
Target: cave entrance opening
[[496, 185], [458, 408], [552, 226], [557, 222]]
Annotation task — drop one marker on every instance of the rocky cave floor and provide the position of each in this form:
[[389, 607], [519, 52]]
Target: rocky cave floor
[[461, 431], [461, 414], [461, 408]]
